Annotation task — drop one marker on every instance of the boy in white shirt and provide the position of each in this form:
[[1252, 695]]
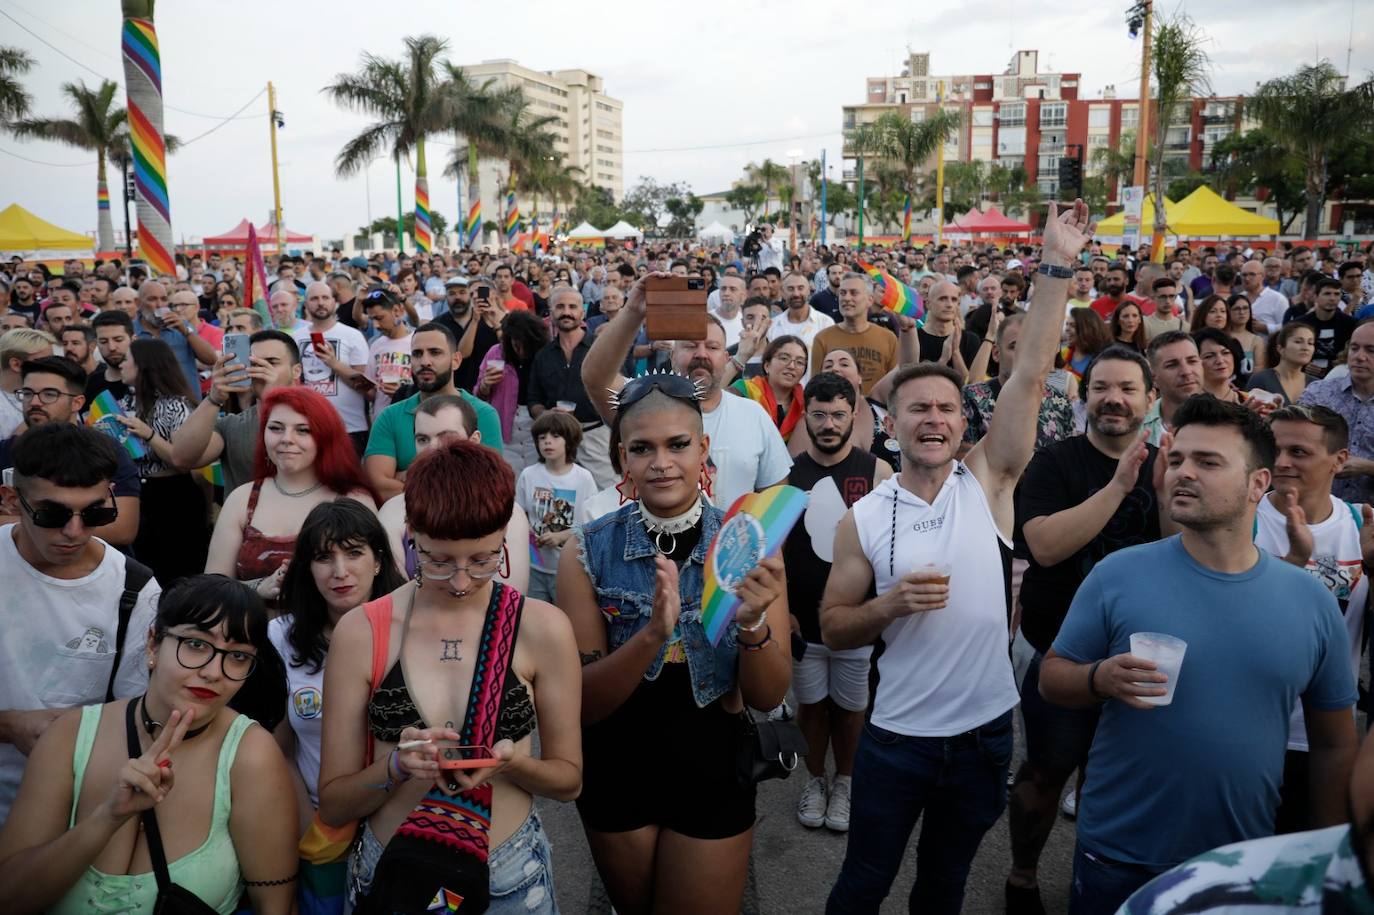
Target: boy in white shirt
[[554, 494]]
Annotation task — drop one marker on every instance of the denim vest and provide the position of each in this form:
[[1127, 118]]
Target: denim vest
[[619, 558]]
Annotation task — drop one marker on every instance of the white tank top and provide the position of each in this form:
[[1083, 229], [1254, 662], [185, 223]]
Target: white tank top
[[944, 671], [1337, 562]]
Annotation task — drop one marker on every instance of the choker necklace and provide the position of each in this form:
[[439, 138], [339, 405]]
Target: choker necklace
[[296, 495], [149, 725], [669, 527]]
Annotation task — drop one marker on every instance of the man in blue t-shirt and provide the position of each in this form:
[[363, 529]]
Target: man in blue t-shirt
[[1168, 782]]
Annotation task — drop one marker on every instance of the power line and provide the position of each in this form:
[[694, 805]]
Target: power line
[[53, 164], [808, 136], [97, 73], [232, 117]]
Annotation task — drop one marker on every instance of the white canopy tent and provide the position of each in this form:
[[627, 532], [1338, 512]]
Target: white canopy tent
[[586, 231], [622, 230], [716, 232]]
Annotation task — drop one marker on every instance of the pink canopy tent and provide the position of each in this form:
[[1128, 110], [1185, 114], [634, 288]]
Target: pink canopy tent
[[992, 222], [237, 237]]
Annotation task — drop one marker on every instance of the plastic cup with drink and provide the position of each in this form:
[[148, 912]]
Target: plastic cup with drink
[[1166, 652], [936, 573]]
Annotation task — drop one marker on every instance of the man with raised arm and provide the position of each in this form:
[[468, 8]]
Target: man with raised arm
[[926, 541]]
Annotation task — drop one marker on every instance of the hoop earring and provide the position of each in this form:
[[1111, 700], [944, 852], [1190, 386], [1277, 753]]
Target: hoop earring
[[504, 571]]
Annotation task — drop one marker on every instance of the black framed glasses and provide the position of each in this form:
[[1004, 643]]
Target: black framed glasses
[[47, 395], [193, 653], [678, 387], [53, 517]]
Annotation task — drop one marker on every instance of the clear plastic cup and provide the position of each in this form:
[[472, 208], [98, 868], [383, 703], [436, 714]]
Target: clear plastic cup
[[567, 406], [937, 572], [1167, 653]]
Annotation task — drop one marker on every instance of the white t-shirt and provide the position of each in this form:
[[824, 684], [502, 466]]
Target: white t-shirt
[[816, 322], [11, 414], [59, 642], [387, 360], [733, 328], [304, 707], [746, 449], [552, 504], [603, 503], [1269, 306], [1336, 562], [945, 671], [351, 347]]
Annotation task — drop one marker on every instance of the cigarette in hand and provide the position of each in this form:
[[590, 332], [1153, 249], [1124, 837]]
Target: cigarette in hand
[[412, 744]]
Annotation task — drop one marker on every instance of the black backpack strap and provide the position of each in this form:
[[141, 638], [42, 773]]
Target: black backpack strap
[[136, 577]]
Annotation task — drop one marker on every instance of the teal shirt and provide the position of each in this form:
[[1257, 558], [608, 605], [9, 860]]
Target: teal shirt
[[393, 431]]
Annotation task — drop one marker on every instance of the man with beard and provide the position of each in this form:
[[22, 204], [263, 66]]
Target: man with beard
[[928, 543], [801, 319], [746, 452], [114, 331], [336, 369], [1082, 498], [1177, 369], [831, 686], [732, 296], [345, 292], [1207, 737], [52, 392], [24, 299], [556, 381], [827, 300], [874, 348], [390, 451], [78, 343], [1113, 289], [208, 435], [474, 335]]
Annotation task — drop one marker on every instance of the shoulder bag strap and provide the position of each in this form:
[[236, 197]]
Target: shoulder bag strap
[[136, 576], [379, 619], [149, 817]]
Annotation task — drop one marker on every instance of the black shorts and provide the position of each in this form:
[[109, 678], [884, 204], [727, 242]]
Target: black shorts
[[658, 760]]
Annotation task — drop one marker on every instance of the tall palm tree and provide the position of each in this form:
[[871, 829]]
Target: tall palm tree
[[410, 98], [1312, 112], [909, 144], [14, 101], [99, 126], [143, 85], [1115, 165], [864, 140], [476, 116], [1182, 70], [766, 173]]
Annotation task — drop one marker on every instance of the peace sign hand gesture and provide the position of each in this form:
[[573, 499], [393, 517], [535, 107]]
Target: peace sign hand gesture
[[145, 782]]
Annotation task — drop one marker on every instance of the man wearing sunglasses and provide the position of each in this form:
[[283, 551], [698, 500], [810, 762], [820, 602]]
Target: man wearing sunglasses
[[53, 391], [66, 617]]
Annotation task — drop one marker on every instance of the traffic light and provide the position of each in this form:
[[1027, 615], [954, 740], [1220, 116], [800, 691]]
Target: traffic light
[[1071, 177]]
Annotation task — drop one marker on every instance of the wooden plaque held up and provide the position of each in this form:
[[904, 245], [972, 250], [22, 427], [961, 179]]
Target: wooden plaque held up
[[675, 308]]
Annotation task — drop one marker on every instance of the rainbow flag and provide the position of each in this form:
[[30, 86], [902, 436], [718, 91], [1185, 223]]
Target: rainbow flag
[[255, 278], [753, 529], [895, 296], [906, 220], [101, 415], [474, 223], [512, 224], [556, 227], [214, 473]]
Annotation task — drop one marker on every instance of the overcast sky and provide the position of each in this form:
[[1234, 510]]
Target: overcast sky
[[747, 78]]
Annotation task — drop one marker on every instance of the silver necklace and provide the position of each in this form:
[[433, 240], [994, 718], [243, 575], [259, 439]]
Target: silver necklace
[[296, 495], [659, 528]]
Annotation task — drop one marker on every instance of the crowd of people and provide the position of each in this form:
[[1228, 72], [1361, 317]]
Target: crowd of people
[[462, 503]]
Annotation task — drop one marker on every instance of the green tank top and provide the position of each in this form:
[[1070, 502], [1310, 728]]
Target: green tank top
[[211, 871]]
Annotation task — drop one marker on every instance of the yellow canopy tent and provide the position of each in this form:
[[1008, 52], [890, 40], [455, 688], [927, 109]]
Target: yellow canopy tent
[[1204, 212], [1115, 225], [24, 233]]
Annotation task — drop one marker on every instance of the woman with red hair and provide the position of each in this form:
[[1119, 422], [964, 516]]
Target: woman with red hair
[[304, 457]]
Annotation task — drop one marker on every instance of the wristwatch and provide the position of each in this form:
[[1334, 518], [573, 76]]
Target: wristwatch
[[1063, 273]]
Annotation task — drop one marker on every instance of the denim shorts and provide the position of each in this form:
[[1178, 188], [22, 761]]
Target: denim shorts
[[521, 870]]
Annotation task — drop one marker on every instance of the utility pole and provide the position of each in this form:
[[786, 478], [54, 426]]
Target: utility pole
[[274, 119], [940, 174], [824, 215], [1142, 133], [400, 211]]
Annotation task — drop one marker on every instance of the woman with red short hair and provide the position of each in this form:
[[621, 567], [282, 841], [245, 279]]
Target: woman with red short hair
[[304, 457], [453, 667]]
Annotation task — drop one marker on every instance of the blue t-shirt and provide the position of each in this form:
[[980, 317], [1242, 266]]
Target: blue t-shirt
[[186, 357], [1168, 783]]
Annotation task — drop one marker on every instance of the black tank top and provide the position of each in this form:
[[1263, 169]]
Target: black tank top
[[839, 488]]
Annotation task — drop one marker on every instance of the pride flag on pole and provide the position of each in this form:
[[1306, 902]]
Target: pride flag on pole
[[512, 218], [895, 296], [255, 279], [906, 220]]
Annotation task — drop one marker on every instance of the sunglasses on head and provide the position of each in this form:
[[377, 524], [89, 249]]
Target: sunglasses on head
[[57, 516], [678, 387]]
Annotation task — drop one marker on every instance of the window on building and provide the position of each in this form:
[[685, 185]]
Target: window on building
[[1013, 114], [1100, 116], [1130, 117], [982, 117], [1098, 139], [1011, 141], [1054, 114]]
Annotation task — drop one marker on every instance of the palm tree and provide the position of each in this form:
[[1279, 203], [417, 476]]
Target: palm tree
[[99, 126], [1181, 70], [766, 173], [863, 140], [143, 84], [1311, 112], [412, 102], [909, 144], [476, 117], [1116, 165], [14, 101]]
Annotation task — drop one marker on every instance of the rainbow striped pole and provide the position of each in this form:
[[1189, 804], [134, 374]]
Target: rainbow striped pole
[[474, 221], [906, 220], [512, 218], [143, 77], [104, 227], [424, 229]]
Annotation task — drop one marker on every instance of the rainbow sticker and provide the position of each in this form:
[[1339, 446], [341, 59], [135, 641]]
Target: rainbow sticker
[[753, 529]]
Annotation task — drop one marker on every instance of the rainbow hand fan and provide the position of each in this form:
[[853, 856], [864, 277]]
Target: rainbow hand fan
[[753, 529], [102, 415], [894, 295]]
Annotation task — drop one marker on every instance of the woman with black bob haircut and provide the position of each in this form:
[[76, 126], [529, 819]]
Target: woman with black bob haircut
[[177, 780], [342, 560], [669, 824]]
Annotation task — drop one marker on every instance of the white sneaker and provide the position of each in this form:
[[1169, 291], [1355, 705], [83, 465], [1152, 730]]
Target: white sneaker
[[782, 713], [811, 807], [1069, 805], [837, 810]]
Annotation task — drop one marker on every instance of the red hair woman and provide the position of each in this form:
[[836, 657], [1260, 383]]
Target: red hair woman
[[304, 457]]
